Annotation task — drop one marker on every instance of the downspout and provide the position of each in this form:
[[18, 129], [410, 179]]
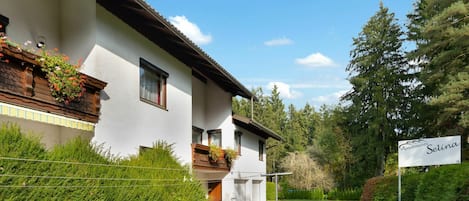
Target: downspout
[[252, 107]]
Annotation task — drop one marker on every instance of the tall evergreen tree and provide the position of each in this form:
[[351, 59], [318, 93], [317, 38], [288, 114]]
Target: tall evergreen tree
[[439, 29], [378, 98]]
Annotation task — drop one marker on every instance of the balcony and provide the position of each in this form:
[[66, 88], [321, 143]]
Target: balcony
[[202, 161], [22, 83]]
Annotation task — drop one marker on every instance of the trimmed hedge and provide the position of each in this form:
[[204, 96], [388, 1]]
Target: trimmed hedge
[[159, 176], [445, 183], [346, 194], [314, 194], [270, 190]]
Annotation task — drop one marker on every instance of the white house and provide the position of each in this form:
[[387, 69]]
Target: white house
[[146, 82]]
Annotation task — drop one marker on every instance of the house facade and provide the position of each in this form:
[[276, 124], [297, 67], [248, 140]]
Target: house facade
[[146, 82]]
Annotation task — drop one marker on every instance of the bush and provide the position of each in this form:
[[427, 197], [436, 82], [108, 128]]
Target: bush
[[346, 194], [89, 173], [450, 182], [270, 190], [444, 183], [314, 194]]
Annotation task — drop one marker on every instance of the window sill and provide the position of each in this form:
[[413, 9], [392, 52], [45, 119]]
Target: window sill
[[153, 103]]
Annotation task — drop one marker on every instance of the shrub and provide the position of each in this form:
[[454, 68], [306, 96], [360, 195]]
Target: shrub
[[80, 171], [450, 182], [444, 183], [270, 190], [346, 194], [314, 194], [369, 189]]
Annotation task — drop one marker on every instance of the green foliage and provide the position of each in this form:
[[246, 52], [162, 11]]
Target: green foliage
[[89, 173], [214, 152], [270, 190], [346, 194], [443, 183], [314, 194], [379, 97], [65, 81], [449, 182], [230, 155], [439, 30]]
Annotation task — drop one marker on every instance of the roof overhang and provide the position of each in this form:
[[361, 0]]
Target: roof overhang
[[254, 127], [148, 22]]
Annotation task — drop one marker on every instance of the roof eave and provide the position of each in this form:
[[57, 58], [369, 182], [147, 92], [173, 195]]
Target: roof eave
[[154, 26], [251, 124]]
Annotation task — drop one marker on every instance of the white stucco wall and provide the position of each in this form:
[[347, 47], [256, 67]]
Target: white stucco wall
[[198, 103], [247, 168], [126, 122], [31, 19], [219, 113]]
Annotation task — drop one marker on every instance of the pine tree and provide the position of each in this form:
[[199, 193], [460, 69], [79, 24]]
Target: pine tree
[[378, 98], [440, 29]]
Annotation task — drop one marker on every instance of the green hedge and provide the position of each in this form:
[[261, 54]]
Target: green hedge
[[270, 190], [445, 183], [159, 176], [346, 194]]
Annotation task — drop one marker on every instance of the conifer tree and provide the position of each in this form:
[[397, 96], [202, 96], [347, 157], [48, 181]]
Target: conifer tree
[[378, 98]]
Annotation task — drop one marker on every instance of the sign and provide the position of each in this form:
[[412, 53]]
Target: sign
[[429, 151]]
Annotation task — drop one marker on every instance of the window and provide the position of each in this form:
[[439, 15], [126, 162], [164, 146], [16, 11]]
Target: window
[[214, 137], [4, 21], [197, 135], [152, 84], [237, 139], [261, 150]]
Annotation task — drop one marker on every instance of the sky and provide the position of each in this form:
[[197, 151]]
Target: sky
[[300, 46]]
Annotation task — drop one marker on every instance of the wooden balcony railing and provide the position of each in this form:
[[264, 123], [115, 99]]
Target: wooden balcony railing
[[22, 83], [201, 159]]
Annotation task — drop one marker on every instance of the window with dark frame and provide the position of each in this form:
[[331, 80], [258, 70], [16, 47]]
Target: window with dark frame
[[197, 135], [261, 150], [237, 139], [152, 84], [214, 137]]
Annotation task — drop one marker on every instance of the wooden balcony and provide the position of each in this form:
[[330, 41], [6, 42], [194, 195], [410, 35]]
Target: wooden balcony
[[201, 160], [22, 83]]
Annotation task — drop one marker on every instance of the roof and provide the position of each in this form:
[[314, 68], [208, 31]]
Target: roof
[[256, 128], [148, 22]]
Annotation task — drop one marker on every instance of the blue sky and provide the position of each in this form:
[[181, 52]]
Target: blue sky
[[301, 46]]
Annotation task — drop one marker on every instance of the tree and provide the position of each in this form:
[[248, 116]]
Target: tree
[[379, 97], [307, 173], [439, 30], [331, 146]]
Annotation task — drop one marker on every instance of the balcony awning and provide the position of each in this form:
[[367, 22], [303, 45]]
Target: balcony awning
[[44, 117]]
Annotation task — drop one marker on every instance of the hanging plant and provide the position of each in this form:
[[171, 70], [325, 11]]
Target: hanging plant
[[230, 155], [214, 152], [65, 81]]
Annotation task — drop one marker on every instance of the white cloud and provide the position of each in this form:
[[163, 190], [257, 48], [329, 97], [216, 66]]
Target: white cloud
[[191, 30], [278, 42], [316, 60], [329, 98], [284, 90]]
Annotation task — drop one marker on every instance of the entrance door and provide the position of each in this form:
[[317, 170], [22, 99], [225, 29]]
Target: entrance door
[[214, 191]]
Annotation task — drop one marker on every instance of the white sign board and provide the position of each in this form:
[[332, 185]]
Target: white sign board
[[429, 151]]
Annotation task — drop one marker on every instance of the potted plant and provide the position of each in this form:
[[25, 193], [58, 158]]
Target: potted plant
[[230, 155], [65, 81], [214, 152]]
